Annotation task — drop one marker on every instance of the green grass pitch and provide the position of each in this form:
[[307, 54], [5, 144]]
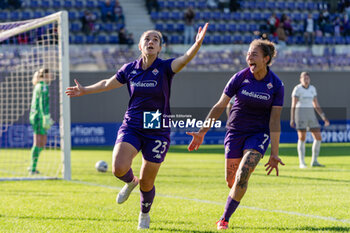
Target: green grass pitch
[[191, 194]]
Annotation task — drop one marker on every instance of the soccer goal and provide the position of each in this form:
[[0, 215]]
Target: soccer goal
[[26, 47]]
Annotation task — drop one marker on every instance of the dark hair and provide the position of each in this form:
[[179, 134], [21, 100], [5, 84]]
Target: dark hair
[[268, 48], [157, 32]]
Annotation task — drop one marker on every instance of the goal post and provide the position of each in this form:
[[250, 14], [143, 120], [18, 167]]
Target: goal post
[[25, 48]]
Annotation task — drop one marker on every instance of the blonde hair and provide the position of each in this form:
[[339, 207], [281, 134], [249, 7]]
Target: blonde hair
[[268, 48], [39, 75]]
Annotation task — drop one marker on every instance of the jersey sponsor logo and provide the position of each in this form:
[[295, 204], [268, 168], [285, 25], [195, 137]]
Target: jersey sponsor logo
[[146, 83], [151, 120], [256, 95], [246, 81], [155, 71], [269, 85], [133, 72], [157, 156]]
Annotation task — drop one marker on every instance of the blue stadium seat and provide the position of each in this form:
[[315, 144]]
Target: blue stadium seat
[[232, 27], [247, 16], [180, 4], [56, 4], [296, 16], [226, 16], [237, 39], [221, 27], [4, 15], [169, 27], [38, 14], [281, 5], [339, 40], [164, 15], [200, 4], [205, 16], [319, 40], [155, 15], [160, 27], [215, 15], [113, 39], [347, 39], [79, 4], [242, 27], [14, 16], [176, 16], [72, 15], [34, 4], [258, 16], [176, 39], [78, 39], [236, 16], [291, 6], [253, 27], [311, 6], [247, 39], [108, 27], [45, 4], [261, 5], [271, 5], [101, 39], [170, 4], [91, 4], [75, 27], [190, 3], [67, 4], [301, 5], [180, 27], [26, 15], [227, 39], [89, 39]]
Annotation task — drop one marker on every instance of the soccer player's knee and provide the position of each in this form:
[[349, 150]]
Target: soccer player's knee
[[119, 171], [146, 185]]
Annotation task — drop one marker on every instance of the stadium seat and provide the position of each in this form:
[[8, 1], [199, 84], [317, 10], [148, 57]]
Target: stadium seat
[[91, 4], [237, 39], [200, 4], [26, 15], [232, 27], [246, 16], [301, 5], [14, 16], [169, 27], [176, 16], [164, 15], [291, 6], [78, 4], [75, 27], [113, 39], [271, 5], [68, 4], [180, 27], [215, 16], [38, 14], [339, 40], [89, 39], [261, 5], [170, 4], [180, 4], [242, 27], [216, 39], [236, 16], [227, 39], [221, 27], [78, 39], [34, 4], [281, 5], [101, 39], [4, 15], [72, 15], [45, 4], [160, 27], [108, 27], [56, 4]]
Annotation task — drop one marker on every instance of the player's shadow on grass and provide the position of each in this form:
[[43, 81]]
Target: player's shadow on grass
[[306, 229]]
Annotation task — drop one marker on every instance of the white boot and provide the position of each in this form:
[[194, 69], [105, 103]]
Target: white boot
[[144, 221]]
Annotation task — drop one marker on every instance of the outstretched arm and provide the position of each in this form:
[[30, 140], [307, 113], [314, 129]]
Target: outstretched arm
[[180, 62], [319, 111], [101, 86], [213, 115]]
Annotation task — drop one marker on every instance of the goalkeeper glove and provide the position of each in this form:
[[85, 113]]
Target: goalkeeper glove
[[47, 122]]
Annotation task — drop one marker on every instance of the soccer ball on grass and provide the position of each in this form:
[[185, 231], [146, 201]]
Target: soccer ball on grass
[[101, 166]]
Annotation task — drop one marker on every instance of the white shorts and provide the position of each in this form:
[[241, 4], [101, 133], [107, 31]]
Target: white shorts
[[305, 118]]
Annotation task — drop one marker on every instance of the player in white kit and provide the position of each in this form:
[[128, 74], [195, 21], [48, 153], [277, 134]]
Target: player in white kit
[[303, 118]]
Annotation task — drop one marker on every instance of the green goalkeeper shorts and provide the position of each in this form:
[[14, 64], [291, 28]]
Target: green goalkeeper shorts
[[37, 126]]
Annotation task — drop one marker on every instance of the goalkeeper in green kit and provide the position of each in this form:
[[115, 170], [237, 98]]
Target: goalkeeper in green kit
[[39, 116]]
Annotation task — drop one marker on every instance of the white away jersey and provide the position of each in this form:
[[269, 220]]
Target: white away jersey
[[305, 96]]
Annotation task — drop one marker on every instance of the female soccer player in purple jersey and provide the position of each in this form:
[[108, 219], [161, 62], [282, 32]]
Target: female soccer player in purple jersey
[[149, 81], [254, 119]]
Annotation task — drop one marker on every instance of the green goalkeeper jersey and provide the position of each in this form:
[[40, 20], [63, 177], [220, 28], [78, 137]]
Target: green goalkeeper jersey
[[40, 102]]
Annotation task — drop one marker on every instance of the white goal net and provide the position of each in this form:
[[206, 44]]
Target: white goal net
[[26, 47]]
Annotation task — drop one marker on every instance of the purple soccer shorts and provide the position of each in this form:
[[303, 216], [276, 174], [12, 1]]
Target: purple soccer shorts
[[236, 142], [153, 145]]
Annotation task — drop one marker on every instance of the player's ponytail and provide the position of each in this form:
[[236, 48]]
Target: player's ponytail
[[267, 47]]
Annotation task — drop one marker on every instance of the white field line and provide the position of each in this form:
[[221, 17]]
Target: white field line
[[222, 203]]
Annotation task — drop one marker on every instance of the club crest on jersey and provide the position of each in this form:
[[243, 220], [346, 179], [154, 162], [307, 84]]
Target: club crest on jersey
[[269, 85], [133, 72], [246, 81], [155, 71]]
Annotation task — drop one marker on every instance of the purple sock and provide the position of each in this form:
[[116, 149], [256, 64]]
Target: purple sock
[[230, 207], [147, 199], [128, 177]]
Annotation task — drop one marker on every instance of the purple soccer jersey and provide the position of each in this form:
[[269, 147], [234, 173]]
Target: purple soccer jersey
[[253, 101], [149, 89]]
